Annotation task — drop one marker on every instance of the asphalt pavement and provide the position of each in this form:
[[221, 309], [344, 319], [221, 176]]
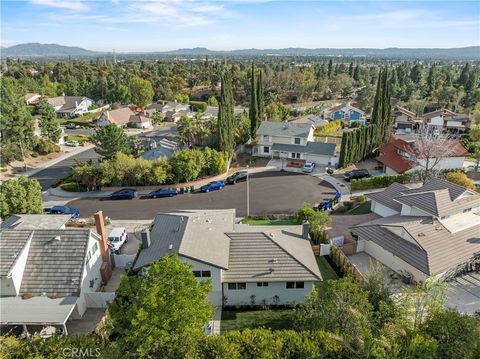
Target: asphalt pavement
[[270, 193], [53, 174]]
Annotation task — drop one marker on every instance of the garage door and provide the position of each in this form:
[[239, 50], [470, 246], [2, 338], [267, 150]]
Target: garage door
[[319, 160]]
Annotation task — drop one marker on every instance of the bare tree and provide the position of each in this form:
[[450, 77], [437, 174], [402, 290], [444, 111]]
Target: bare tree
[[429, 149]]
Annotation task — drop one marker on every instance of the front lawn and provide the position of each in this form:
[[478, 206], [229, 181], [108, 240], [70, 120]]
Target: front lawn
[[364, 208], [271, 222], [79, 138], [274, 319], [325, 269]]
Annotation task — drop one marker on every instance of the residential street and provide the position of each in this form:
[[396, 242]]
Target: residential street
[[270, 193]]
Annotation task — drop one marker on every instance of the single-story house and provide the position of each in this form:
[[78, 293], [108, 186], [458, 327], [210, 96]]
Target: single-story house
[[120, 117], [70, 106], [273, 266], [433, 230], [32, 98], [314, 120], [140, 121], [294, 142], [399, 156]]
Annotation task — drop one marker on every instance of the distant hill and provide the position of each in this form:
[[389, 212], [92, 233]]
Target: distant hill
[[36, 50], [44, 50]]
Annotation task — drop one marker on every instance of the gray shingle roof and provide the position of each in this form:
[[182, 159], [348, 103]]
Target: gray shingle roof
[[435, 184], [317, 148], [55, 262], [272, 128], [67, 102], [11, 245], [35, 221], [386, 196], [260, 256]]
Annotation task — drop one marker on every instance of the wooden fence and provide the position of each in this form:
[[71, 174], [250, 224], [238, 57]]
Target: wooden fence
[[342, 262]]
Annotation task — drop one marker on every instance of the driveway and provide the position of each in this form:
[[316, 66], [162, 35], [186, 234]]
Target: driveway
[[464, 293], [270, 193]]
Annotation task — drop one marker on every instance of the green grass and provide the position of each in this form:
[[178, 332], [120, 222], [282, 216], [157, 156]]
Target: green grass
[[325, 269], [79, 138], [364, 208], [272, 222], [275, 319]]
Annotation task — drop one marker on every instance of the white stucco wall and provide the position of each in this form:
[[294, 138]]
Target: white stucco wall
[[286, 296], [382, 210], [412, 211], [445, 163], [395, 263], [10, 285], [390, 171], [215, 295]]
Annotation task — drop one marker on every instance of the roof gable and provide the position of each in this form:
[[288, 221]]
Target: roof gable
[[285, 129]]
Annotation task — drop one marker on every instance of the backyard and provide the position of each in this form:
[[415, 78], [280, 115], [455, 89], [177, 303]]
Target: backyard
[[274, 319]]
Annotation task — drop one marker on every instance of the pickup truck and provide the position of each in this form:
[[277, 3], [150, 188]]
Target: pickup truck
[[117, 238]]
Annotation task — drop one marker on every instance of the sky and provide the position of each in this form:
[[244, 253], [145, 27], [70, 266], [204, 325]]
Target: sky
[[133, 26]]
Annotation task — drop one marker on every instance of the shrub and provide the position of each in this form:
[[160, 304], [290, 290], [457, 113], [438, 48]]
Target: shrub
[[34, 154], [198, 105], [348, 204], [460, 179], [362, 198], [10, 152], [44, 147], [379, 181]]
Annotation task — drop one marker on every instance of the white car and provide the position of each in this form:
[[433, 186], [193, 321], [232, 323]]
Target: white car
[[117, 238], [308, 167], [72, 143]]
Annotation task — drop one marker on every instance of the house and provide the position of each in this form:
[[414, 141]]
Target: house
[[345, 112], [163, 148], [399, 156], [120, 117], [47, 271], [403, 120], [314, 120], [170, 111], [37, 131], [273, 266], [32, 98], [70, 106], [211, 112], [292, 141], [433, 230], [140, 121], [446, 120]]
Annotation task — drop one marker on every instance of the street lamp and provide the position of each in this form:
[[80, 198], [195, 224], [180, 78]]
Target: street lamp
[[248, 195]]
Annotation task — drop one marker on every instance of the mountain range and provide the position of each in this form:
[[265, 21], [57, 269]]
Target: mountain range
[[37, 50]]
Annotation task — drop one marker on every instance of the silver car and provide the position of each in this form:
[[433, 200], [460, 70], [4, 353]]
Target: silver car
[[308, 167]]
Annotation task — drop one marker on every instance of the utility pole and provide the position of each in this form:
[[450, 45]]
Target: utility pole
[[248, 194]]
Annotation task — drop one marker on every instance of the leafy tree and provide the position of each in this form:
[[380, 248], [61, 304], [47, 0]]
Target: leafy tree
[[49, 124], [141, 91], [212, 101], [186, 165], [182, 98], [161, 312], [215, 162], [186, 130], [109, 140], [474, 146], [457, 335], [461, 179], [225, 131], [20, 196]]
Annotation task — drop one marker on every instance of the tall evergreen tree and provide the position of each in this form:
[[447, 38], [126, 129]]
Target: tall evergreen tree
[[260, 99], [49, 124], [225, 114], [356, 73], [330, 69], [386, 108], [253, 112], [377, 109], [343, 150], [350, 69], [464, 76]]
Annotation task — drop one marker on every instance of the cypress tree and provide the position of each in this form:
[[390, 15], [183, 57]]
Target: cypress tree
[[225, 114], [356, 73], [253, 112], [377, 111], [260, 100], [350, 69], [386, 108], [343, 149], [330, 68]]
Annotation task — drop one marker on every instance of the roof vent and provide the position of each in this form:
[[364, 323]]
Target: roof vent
[[44, 294], [271, 234], [421, 234], [271, 270], [438, 228], [170, 247], [274, 260], [57, 238], [208, 221], [14, 255], [181, 219]]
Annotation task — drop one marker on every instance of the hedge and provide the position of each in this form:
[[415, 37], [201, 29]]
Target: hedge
[[380, 181]]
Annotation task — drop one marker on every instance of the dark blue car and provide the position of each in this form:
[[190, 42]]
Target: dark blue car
[[73, 212], [212, 186], [125, 193], [163, 192]]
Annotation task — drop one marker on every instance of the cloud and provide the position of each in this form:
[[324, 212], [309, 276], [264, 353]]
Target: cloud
[[68, 5]]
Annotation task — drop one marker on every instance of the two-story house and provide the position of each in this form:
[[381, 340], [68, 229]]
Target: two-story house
[[293, 141], [70, 106], [47, 270], [427, 231], [403, 120], [446, 120], [345, 112], [399, 156], [273, 266]]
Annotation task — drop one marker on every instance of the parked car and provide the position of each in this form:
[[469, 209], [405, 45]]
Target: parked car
[[71, 126], [117, 238], [237, 177], [212, 186], [356, 174], [73, 212], [308, 167], [72, 143], [125, 193], [163, 192]]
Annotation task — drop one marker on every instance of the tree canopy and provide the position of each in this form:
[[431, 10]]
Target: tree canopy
[[109, 140], [20, 196]]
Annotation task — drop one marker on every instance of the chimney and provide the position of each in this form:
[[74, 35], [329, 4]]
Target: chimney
[[305, 230], [106, 268], [145, 235]]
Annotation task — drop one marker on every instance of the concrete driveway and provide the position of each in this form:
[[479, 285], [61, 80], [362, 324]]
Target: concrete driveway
[[464, 293], [270, 193]]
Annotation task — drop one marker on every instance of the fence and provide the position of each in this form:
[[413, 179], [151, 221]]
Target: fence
[[342, 262], [123, 260], [98, 299]]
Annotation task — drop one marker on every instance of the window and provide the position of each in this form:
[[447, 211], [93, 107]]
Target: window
[[262, 284], [297, 140], [266, 138], [466, 210], [91, 252], [266, 149], [296, 155], [235, 286], [202, 274], [295, 285]]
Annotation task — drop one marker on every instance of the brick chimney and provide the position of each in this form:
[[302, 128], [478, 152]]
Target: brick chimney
[[106, 268]]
